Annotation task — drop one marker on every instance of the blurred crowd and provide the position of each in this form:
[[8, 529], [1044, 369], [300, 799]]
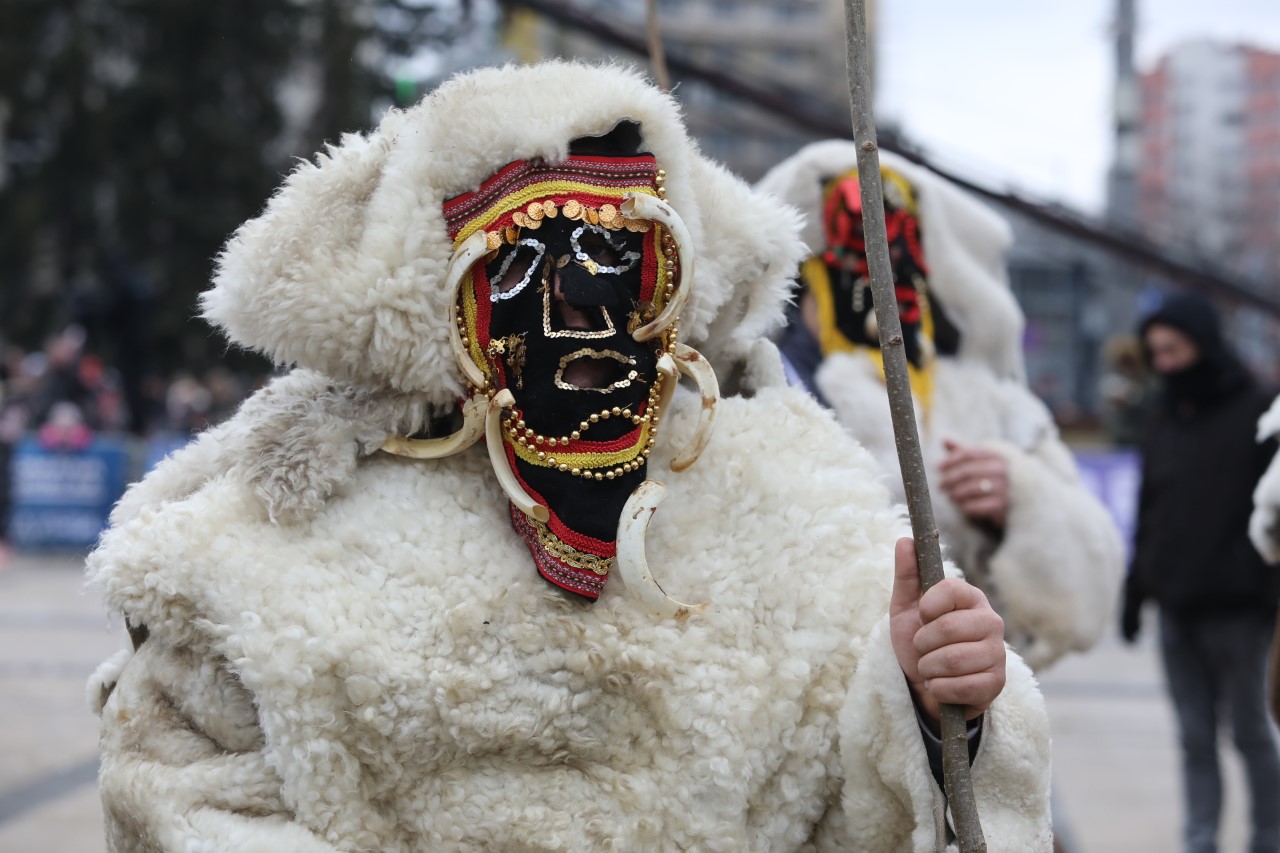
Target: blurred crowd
[[65, 394]]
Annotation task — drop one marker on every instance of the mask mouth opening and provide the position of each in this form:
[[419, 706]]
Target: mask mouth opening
[[596, 370]]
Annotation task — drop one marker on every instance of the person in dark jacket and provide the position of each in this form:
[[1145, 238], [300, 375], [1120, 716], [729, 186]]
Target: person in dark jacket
[[1193, 558]]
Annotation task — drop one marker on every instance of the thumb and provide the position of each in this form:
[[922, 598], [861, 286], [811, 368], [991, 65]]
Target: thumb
[[906, 577], [949, 445]]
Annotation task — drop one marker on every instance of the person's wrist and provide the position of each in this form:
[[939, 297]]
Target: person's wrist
[[927, 708]]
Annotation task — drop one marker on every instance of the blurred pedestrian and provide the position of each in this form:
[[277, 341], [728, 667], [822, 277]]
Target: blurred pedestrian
[[187, 404], [1193, 557], [62, 380]]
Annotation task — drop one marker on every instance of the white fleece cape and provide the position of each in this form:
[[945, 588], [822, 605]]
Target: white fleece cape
[[350, 651], [392, 675]]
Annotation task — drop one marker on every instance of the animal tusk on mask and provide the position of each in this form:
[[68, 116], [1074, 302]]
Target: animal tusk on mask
[[640, 206], [691, 363], [631, 563], [670, 374], [473, 423], [464, 257], [498, 458]]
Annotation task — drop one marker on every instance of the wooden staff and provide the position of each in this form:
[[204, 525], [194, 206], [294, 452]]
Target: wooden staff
[[955, 741]]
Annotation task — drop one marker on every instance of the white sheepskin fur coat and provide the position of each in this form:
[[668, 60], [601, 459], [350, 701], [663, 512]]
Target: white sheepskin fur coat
[[1055, 572], [1264, 523], [350, 651]]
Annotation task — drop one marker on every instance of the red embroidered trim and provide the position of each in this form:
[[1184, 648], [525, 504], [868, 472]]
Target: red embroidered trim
[[581, 581], [649, 266], [606, 172]]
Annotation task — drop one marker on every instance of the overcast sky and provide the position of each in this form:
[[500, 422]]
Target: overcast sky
[[1018, 92]]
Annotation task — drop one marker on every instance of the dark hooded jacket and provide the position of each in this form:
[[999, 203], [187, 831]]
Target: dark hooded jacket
[[1200, 463]]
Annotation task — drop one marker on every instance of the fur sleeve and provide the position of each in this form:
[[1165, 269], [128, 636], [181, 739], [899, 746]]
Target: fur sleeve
[[1264, 524], [182, 762], [1058, 569], [890, 799]]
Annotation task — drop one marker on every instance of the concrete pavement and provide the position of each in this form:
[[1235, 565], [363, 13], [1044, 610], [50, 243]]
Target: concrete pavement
[[52, 637], [1116, 774], [1117, 782]]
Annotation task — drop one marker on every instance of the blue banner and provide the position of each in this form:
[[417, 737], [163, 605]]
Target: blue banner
[[61, 499]]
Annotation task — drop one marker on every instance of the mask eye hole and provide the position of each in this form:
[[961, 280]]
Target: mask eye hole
[[593, 244], [512, 270], [596, 248]]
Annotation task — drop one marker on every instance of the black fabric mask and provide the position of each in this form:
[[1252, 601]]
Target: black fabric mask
[[548, 315], [844, 275], [566, 296]]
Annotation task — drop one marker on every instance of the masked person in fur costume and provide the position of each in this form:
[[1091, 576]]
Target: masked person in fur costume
[[377, 611], [1012, 510]]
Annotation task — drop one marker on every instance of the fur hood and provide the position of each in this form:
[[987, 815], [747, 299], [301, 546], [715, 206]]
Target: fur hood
[[343, 273], [965, 244]]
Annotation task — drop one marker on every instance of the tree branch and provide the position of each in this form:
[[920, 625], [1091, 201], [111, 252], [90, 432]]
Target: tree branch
[[955, 745]]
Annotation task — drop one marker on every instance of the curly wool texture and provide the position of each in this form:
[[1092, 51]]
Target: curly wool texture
[[392, 675], [343, 272], [1264, 523], [1055, 573], [964, 244]]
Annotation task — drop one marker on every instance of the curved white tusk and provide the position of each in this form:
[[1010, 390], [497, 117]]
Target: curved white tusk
[[640, 206], [697, 368], [464, 257], [670, 379], [498, 458], [473, 416], [631, 562]]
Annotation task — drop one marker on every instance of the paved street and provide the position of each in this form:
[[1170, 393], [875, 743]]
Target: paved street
[[52, 636], [1116, 776]]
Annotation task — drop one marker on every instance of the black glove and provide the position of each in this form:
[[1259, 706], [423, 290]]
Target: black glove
[[1131, 611]]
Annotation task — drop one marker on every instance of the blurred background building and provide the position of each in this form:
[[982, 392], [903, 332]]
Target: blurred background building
[[792, 47], [1209, 175], [1196, 172]]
